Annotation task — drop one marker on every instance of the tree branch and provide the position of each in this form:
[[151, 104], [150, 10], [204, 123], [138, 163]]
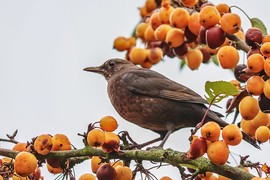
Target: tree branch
[[170, 156]]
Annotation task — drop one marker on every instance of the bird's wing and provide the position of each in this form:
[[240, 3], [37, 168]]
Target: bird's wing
[[151, 83]]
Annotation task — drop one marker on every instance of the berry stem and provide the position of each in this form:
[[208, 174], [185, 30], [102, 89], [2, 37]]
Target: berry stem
[[241, 11], [240, 44]]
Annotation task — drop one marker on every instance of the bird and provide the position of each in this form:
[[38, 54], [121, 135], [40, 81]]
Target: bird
[[152, 101]]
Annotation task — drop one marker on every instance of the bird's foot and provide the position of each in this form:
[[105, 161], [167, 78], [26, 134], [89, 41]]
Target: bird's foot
[[128, 142]]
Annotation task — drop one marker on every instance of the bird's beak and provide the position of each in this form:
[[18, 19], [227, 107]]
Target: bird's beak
[[94, 69]]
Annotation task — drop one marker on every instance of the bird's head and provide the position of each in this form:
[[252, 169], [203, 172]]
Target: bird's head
[[110, 67]]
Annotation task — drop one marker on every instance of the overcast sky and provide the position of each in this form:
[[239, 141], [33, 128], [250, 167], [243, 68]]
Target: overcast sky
[[44, 45]]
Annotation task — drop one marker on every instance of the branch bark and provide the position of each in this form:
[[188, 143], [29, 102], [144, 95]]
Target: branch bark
[[175, 158]]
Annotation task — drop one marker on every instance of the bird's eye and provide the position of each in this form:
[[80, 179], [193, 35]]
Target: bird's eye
[[111, 63]]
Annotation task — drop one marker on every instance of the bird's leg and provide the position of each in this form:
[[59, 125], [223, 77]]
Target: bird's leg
[[165, 138], [170, 128], [151, 141]]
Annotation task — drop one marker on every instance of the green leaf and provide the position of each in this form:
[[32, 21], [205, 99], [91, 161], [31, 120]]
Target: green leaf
[[215, 59], [256, 22], [183, 63], [219, 90]]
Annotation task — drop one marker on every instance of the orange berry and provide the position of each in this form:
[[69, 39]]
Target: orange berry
[[164, 14], [155, 55], [194, 58], [194, 23], [137, 55], [132, 41], [87, 176], [43, 144], [25, 163], [255, 85], [266, 88], [60, 142], [197, 148], [95, 137], [123, 173], [265, 49], [54, 170], [179, 17], [21, 146], [255, 62], [209, 16], [150, 5], [230, 23], [228, 57], [154, 20], [161, 32], [140, 29], [108, 123], [143, 11], [210, 131], [261, 119], [262, 134], [266, 38], [175, 37], [149, 34], [248, 107], [189, 3], [266, 66], [121, 43], [111, 143], [218, 152], [223, 8], [95, 163], [146, 64], [117, 163], [232, 134], [247, 127]]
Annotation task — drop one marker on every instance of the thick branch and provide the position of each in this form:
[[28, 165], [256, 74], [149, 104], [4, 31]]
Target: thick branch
[[159, 155], [170, 156]]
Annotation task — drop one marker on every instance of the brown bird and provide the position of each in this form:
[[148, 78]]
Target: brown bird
[[152, 101]]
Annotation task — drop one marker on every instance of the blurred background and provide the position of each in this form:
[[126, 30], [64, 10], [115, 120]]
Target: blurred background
[[44, 45]]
